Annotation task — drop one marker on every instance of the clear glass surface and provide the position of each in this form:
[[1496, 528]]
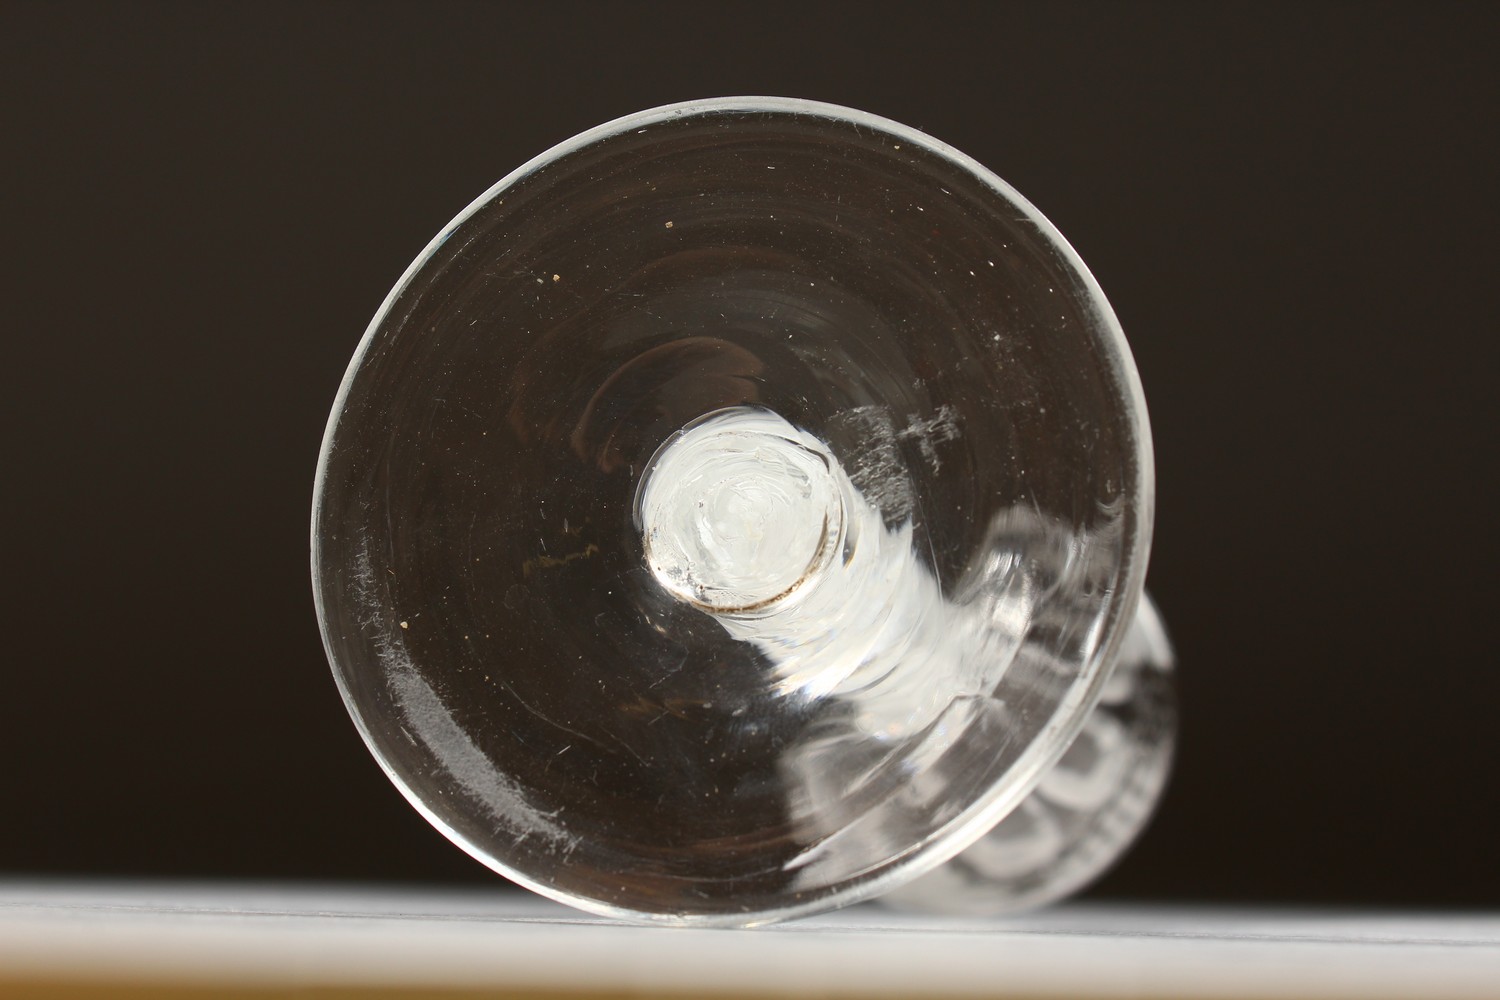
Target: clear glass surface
[[733, 513]]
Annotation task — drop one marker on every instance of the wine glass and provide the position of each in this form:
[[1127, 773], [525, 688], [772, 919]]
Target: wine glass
[[735, 513]]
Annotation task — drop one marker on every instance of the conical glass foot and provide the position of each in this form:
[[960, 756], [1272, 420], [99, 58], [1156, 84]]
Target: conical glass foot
[[734, 514]]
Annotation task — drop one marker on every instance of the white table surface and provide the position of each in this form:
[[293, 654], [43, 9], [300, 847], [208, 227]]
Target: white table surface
[[76, 939]]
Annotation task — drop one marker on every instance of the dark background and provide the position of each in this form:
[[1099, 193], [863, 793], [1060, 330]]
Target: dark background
[[1292, 209]]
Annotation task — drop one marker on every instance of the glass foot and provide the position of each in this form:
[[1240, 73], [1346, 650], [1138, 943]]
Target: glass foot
[[735, 512]]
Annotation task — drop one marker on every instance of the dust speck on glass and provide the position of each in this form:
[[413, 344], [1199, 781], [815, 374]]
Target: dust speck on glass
[[741, 510]]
